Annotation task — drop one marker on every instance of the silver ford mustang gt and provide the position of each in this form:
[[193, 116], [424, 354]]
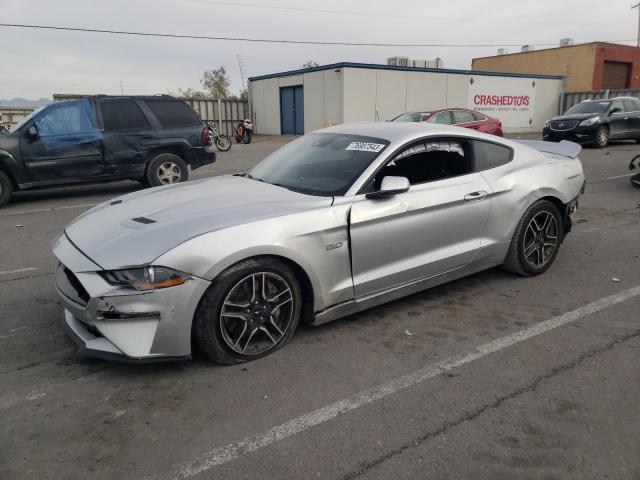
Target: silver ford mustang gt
[[338, 221]]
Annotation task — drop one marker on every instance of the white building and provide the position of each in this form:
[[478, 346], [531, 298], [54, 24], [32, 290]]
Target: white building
[[301, 101]]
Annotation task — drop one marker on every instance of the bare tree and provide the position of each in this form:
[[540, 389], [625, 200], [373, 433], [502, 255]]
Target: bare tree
[[217, 82], [310, 64], [188, 93]]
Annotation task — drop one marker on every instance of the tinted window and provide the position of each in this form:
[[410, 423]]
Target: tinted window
[[122, 115], [173, 113], [478, 118], [428, 161], [618, 105], [630, 106], [411, 117], [65, 118], [489, 155], [443, 118], [320, 163], [460, 116]]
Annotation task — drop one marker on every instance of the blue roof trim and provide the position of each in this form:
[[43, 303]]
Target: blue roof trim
[[373, 66]]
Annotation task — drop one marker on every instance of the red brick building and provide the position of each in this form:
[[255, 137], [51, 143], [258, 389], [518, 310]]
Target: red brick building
[[586, 67]]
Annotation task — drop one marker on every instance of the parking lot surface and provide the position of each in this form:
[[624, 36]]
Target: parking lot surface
[[492, 376]]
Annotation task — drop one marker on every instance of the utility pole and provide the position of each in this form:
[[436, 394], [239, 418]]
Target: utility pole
[[638, 7], [121, 89], [241, 67]]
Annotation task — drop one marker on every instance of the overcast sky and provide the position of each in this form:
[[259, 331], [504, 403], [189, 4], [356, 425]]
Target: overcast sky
[[40, 63]]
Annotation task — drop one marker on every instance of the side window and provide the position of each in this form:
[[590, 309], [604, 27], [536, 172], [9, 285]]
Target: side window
[[630, 106], [460, 116], [65, 119], [619, 105], [478, 118], [443, 118], [122, 115], [490, 155], [428, 161], [173, 113]]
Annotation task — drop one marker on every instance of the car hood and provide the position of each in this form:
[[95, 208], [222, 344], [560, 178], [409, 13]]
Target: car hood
[[576, 116], [137, 228]]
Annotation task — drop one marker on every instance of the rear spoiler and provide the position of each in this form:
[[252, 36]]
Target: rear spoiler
[[564, 148]]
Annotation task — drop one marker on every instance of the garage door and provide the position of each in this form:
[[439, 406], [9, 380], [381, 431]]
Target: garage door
[[615, 75]]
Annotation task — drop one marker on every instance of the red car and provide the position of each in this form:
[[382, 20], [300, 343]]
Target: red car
[[460, 117]]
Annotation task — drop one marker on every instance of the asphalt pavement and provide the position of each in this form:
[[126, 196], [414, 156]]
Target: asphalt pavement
[[490, 377]]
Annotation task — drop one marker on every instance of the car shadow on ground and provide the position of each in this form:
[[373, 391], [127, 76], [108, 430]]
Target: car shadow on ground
[[88, 190]]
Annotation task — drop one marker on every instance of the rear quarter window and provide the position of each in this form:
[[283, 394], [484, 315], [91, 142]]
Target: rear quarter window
[[490, 155], [173, 113]]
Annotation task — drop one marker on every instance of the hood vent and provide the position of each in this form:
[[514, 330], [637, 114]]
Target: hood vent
[[144, 220]]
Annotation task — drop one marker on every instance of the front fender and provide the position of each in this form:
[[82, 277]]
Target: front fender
[[14, 167]]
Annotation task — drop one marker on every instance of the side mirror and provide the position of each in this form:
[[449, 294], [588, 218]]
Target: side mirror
[[390, 186], [32, 132], [615, 110]]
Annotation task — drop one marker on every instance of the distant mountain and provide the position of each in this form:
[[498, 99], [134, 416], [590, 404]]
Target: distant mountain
[[23, 102]]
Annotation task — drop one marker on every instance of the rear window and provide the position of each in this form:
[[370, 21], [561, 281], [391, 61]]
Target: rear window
[[173, 113], [460, 116], [490, 155], [122, 115]]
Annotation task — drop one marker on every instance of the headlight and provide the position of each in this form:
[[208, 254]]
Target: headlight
[[546, 124], [590, 121], [145, 278]]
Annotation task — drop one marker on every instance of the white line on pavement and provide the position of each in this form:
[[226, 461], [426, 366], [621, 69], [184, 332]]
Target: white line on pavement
[[620, 176], [52, 209], [18, 270], [224, 454]]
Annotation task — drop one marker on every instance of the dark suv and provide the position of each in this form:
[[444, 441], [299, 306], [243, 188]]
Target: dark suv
[[597, 122], [152, 139]]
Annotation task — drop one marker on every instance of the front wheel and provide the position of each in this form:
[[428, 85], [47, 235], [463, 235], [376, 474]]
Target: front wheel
[[223, 143], [635, 181], [246, 139], [249, 311], [601, 139], [536, 240]]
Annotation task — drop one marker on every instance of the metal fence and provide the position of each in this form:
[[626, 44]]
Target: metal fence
[[570, 99], [223, 111]]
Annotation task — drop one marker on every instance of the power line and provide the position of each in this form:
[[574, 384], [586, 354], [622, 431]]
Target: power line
[[383, 15], [279, 41]]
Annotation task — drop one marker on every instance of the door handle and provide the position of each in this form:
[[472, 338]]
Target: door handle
[[475, 196]]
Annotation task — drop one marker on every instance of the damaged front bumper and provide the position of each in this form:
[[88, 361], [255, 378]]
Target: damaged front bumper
[[123, 324]]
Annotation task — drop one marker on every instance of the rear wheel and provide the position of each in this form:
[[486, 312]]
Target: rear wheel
[[536, 241], [635, 180], [165, 169], [6, 189], [250, 311], [601, 139]]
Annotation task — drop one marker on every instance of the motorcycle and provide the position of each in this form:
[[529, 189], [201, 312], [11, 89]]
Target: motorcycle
[[635, 179], [222, 142], [244, 131]]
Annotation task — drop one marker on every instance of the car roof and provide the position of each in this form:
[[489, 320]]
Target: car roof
[[402, 131]]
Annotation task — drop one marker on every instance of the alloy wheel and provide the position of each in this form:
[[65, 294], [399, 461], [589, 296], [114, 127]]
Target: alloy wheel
[[541, 239], [168, 172], [256, 313]]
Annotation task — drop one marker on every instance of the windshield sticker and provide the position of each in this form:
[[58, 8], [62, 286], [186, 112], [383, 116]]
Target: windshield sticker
[[365, 147]]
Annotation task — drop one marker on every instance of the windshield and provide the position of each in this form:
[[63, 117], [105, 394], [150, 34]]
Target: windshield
[[26, 119], [589, 107], [323, 164], [410, 117]]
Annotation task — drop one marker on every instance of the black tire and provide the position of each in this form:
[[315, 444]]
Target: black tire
[[517, 260], [246, 139], [223, 143], [601, 138], [166, 169], [6, 189], [635, 181], [211, 327]]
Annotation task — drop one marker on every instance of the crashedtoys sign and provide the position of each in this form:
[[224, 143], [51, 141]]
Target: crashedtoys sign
[[509, 99]]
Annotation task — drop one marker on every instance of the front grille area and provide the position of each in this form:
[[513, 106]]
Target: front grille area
[[563, 124], [70, 286]]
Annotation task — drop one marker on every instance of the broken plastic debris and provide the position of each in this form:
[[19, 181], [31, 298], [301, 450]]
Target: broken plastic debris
[[18, 226], [407, 332], [615, 279]]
